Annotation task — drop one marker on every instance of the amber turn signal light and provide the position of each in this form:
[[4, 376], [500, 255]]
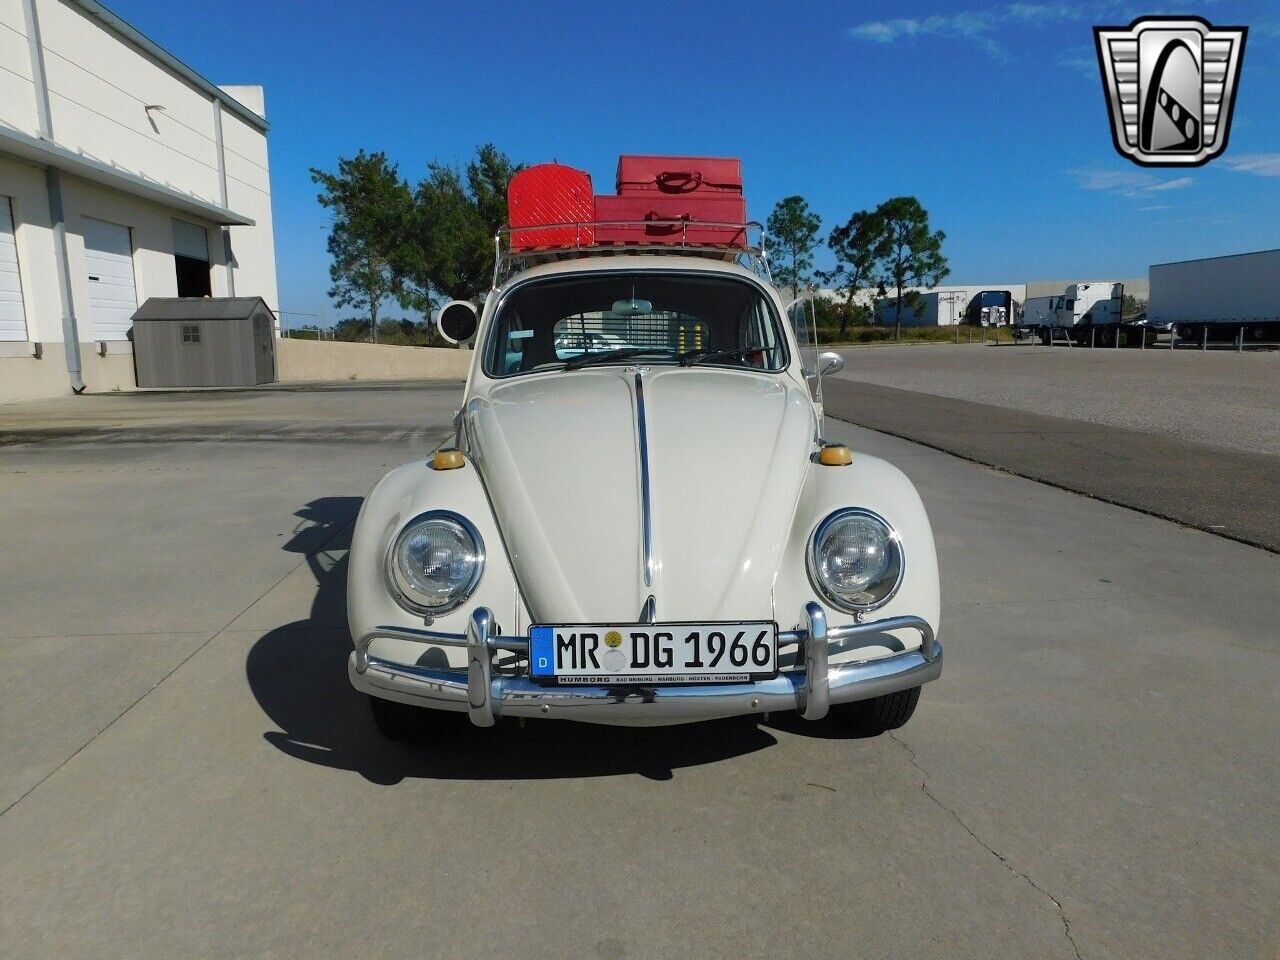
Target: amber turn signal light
[[447, 460], [835, 455]]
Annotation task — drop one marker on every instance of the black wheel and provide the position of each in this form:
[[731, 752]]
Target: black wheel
[[1044, 336], [880, 714], [400, 721]]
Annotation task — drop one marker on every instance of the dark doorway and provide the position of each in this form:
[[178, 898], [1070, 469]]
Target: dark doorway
[[193, 277]]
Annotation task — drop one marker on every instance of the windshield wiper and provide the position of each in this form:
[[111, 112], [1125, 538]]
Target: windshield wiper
[[710, 356], [623, 353]]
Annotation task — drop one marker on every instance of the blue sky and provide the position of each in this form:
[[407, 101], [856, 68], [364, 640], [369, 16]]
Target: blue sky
[[991, 114]]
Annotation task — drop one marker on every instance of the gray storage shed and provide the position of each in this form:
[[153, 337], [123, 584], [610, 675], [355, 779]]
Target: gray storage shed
[[204, 342]]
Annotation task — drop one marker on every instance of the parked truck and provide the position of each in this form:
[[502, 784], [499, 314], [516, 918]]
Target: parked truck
[[1219, 298], [989, 308], [1087, 314]]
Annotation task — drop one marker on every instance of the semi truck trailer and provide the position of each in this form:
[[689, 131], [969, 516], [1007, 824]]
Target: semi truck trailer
[[1219, 298]]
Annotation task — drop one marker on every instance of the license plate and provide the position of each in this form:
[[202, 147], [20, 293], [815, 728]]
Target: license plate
[[607, 654]]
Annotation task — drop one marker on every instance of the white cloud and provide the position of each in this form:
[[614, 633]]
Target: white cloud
[[1127, 183], [1261, 164], [980, 27], [1082, 60], [1177, 184], [984, 27]]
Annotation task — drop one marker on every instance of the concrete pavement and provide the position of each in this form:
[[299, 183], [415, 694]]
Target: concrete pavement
[[1229, 492], [187, 772], [1217, 398]]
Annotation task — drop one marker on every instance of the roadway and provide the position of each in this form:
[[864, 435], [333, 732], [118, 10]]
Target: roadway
[[187, 772]]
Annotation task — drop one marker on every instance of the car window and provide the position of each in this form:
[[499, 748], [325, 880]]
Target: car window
[[545, 323]]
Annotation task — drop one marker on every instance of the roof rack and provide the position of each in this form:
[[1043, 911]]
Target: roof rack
[[507, 262]]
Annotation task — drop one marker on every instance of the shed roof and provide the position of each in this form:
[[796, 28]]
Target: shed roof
[[200, 308]]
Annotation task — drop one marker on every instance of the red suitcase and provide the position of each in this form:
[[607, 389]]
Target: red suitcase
[[644, 174], [694, 211], [544, 195]]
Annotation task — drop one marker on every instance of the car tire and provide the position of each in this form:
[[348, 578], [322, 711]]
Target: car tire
[[879, 714], [400, 721]]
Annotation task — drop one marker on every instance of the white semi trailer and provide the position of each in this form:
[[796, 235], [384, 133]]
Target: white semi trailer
[[1219, 298]]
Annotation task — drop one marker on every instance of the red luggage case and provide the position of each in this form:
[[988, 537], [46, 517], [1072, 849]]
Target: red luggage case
[[694, 210], [645, 174], [544, 195]]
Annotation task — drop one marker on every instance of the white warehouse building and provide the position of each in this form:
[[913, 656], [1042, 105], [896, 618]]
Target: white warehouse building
[[947, 306], [124, 175]]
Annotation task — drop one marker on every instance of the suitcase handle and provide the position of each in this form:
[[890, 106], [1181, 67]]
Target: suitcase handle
[[679, 181], [668, 227], [682, 181]]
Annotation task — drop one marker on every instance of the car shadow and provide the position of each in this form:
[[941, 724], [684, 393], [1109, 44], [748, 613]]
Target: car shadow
[[298, 674]]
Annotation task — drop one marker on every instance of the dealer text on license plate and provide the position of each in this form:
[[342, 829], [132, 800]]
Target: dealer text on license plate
[[653, 653]]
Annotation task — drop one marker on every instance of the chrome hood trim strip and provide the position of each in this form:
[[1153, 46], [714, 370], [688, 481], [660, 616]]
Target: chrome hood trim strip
[[646, 510]]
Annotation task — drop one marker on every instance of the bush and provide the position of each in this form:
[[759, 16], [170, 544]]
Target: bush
[[884, 334]]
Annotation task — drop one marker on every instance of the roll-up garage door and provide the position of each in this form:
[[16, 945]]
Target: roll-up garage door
[[13, 318], [108, 255]]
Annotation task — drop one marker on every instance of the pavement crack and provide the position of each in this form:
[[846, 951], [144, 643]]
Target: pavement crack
[[925, 789]]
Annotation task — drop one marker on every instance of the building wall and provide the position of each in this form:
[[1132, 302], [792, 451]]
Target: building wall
[[249, 192], [1138, 287], [151, 225], [302, 360], [100, 85], [24, 184], [17, 88], [943, 306]]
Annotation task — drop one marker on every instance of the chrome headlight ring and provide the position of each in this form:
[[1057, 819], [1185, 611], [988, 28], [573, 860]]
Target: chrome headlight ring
[[408, 579], [874, 594]]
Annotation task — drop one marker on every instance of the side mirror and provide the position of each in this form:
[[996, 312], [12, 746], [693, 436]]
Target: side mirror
[[457, 321], [829, 363]]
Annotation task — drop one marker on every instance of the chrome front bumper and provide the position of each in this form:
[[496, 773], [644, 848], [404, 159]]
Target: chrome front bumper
[[485, 696]]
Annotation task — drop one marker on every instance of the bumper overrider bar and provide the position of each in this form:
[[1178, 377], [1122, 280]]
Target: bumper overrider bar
[[484, 695]]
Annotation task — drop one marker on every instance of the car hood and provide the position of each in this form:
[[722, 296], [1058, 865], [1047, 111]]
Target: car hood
[[727, 454]]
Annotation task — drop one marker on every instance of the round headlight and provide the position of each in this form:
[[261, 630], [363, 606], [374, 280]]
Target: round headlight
[[435, 562], [855, 560]]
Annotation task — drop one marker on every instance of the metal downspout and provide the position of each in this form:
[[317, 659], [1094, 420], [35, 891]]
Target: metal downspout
[[53, 185], [70, 328]]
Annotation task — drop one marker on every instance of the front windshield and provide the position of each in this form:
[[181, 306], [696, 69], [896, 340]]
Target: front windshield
[[573, 321]]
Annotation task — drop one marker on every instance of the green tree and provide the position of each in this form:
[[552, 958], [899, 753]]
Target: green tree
[[372, 209], [456, 215], [1132, 307], [793, 230], [858, 246], [913, 256]]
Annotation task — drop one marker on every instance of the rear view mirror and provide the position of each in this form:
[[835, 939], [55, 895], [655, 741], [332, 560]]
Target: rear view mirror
[[457, 321], [631, 308], [829, 363]]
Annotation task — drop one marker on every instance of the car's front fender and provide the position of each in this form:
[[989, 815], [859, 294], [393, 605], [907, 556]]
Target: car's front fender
[[401, 495], [874, 485]]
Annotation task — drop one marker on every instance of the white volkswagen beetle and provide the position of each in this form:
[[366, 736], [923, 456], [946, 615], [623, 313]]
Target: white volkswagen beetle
[[649, 534]]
